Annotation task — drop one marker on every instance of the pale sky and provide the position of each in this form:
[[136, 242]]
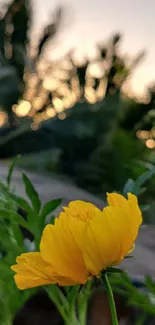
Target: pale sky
[[89, 21]]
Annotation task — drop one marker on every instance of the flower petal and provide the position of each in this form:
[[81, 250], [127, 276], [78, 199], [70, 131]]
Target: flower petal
[[110, 235], [32, 271], [117, 200], [59, 248], [133, 223], [80, 210], [127, 228], [101, 247]]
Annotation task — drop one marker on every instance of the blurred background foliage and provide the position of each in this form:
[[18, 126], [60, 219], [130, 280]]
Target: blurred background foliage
[[73, 118]]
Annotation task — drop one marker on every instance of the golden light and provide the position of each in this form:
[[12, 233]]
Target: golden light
[[58, 104], [62, 116], [75, 86], [95, 70], [37, 119], [3, 118], [14, 107], [101, 91], [26, 76], [73, 98], [29, 94], [60, 74], [40, 117], [63, 89], [23, 108], [90, 95], [138, 134], [150, 143], [50, 111], [33, 81], [34, 126], [31, 113], [67, 102], [9, 29], [89, 81], [66, 64], [42, 68], [142, 135], [51, 84], [43, 94], [74, 82], [37, 103]]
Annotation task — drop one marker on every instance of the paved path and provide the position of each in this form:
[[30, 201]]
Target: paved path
[[51, 188]]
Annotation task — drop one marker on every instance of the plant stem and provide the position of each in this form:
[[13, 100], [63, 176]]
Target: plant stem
[[83, 298], [110, 298], [57, 302]]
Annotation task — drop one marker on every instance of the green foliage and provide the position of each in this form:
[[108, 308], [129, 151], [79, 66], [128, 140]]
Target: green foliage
[[11, 169], [138, 187], [50, 207], [32, 194], [12, 242], [143, 300]]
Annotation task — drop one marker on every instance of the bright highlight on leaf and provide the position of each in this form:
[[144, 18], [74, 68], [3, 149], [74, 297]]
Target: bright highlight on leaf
[[82, 243]]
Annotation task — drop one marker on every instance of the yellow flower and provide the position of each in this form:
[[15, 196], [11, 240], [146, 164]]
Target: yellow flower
[[83, 242]]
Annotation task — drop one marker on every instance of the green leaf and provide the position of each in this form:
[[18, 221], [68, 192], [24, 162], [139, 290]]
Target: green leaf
[[11, 169], [150, 284], [13, 217], [128, 186], [141, 191], [32, 193], [142, 179], [21, 202], [4, 270], [144, 207], [3, 187], [32, 219], [52, 221], [18, 235], [49, 207]]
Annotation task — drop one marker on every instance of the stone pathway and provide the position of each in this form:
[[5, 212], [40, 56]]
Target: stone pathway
[[52, 188]]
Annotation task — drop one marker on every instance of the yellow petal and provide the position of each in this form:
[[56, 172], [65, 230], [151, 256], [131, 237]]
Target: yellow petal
[[132, 226], [59, 248], [32, 271], [117, 200], [101, 245], [80, 210], [74, 227], [110, 235]]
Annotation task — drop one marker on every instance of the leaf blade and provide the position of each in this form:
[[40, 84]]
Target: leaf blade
[[32, 193], [49, 207], [11, 170], [13, 217]]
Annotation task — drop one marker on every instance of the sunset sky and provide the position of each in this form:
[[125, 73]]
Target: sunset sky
[[89, 21]]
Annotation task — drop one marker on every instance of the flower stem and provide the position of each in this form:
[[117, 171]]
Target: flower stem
[[110, 298]]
